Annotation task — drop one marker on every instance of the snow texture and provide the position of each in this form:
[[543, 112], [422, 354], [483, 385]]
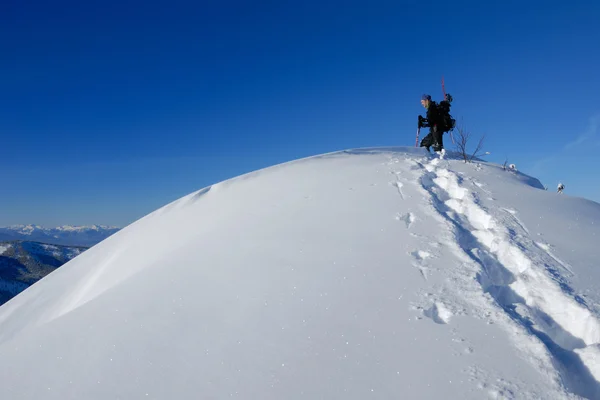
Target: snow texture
[[362, 274]]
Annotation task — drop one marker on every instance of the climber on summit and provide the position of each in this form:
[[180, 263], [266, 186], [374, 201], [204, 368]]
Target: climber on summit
[[434, 122]]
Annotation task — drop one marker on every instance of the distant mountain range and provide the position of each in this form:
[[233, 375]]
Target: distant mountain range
[[22, 263], [63, 235], [30, 252]]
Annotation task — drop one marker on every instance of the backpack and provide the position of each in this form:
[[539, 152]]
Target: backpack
[[448, 123]]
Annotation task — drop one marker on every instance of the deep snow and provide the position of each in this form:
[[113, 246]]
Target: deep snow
[[372, 273]]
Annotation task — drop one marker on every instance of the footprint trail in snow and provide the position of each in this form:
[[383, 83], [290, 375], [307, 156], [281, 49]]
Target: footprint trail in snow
[[527, 285]]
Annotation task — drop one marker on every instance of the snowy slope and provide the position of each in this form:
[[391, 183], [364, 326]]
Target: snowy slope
[[366, 274], [63, 235]]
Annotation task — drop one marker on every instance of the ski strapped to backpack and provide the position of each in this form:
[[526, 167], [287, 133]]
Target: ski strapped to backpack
[[451, 121], [448, 123]]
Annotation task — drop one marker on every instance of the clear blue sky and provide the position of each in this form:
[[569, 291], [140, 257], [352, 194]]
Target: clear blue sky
[[109, 110]]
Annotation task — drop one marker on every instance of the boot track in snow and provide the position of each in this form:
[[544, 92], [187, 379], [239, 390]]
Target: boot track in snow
[[527, 286]]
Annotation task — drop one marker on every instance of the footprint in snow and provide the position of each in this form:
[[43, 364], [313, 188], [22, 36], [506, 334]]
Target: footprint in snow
[[408, 218], [439, 313], [414, 165], [398, 185], [421, 255]]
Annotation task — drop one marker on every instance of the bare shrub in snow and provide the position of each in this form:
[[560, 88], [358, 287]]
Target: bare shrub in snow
[[463, 138]]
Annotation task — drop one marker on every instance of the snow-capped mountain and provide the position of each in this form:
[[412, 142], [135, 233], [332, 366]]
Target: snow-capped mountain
[[30, 252], [363, 274], [23, 263], [63, 235]]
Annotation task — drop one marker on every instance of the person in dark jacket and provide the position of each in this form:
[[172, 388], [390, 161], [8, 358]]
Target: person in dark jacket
[[433, 122]]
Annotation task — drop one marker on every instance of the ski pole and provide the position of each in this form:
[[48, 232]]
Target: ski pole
[[417, 139]]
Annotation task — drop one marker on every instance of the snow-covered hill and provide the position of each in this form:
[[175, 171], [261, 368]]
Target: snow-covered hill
[[24, 263], [365, 274], [62, 235]]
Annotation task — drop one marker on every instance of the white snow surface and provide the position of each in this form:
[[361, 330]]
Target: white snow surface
[[363, 274]]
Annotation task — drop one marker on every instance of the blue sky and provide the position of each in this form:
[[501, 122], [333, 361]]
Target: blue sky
[[109, 110]]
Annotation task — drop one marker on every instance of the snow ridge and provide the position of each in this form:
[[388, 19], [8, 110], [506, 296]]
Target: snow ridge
[[377, 273], [528, 286]]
